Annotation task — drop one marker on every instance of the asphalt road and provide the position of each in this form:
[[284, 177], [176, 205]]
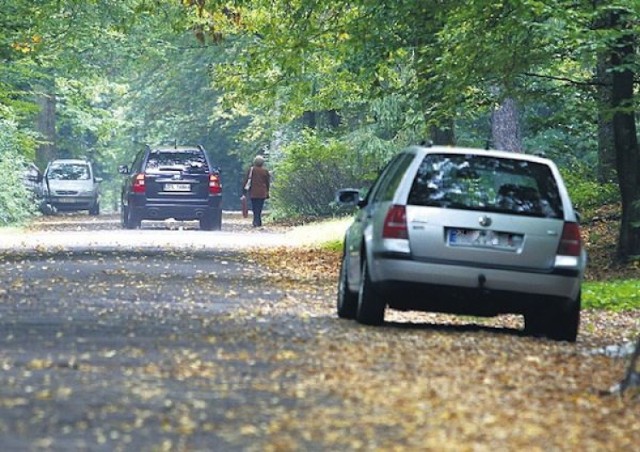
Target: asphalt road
[[109, 339], [104, 233]]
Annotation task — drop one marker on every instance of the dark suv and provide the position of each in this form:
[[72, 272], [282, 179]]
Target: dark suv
[[176, 182]]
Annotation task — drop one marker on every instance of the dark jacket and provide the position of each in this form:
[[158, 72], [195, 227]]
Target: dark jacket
[[260, 181]]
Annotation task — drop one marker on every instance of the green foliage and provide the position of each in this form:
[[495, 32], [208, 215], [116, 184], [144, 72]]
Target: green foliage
[[587, 194], [16, 204], [618, 295], [309, 173], [239, 76]]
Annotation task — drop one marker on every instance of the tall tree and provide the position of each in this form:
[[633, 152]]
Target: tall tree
[[604, 82], [516, 41], [505, 126], [624, 62]]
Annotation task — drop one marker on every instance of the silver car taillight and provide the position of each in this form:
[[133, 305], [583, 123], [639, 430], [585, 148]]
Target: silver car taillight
[[570, 246], [395, 233], [395, 223]]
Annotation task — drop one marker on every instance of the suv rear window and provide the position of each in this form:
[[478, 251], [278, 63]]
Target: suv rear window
[[191, 161], [486, 183]]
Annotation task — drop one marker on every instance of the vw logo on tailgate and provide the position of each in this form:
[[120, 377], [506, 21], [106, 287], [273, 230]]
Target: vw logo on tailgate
[[484, 221]]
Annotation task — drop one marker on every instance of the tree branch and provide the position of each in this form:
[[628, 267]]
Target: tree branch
[[571, 81]]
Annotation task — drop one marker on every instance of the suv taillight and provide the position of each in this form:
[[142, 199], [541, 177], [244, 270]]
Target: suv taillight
[[570, 242], [138, 183], [215, 187], [395, 223]]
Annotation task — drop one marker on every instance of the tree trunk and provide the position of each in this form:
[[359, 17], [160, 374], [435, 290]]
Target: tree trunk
[[606, 141], [626, 142], [46, 127], [505, 127], [604, 81], [444, 135]]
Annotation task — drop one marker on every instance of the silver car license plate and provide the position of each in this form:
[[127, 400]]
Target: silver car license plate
[[483, 239], [177, 187]]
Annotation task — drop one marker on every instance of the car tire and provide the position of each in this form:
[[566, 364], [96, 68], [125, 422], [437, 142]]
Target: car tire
[[217, 220], [347, 303], [371, 305], [213, 222], [130, 221], [534, 323], [560, 323], [123, 215], [565, 322], [206, 224], [95, 209]]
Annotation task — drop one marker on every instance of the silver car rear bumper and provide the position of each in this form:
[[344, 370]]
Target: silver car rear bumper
[[564, 283]]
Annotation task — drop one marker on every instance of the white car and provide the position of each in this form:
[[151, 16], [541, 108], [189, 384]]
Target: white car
[[465, 231], [70, 184]]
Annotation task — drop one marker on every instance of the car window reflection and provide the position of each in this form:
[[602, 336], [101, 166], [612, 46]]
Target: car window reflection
[[193, 162], [486, 183], [68, 172]]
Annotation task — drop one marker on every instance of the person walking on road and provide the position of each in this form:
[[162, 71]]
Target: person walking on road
[[256, 187]]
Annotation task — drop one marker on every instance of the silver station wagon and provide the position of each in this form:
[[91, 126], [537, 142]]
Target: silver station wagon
[[465, 231]]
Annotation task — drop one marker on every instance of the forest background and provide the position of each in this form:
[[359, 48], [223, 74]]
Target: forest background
[[327, 90]]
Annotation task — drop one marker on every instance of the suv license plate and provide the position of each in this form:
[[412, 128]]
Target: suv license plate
[[177, 187]]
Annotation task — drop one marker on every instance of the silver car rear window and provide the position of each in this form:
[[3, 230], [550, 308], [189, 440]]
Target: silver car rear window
[[486, 183], [68, 171]]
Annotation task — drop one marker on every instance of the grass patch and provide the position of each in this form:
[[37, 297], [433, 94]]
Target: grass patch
[[327, 234], [619, 295], [332, 245]]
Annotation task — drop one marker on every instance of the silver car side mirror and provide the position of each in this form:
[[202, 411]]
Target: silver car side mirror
[[348, 197]]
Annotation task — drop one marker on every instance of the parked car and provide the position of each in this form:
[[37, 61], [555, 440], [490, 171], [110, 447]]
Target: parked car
[[71, 185], [171, 182], [465, 231]]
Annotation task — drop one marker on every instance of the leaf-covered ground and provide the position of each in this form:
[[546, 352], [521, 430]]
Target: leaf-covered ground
[[427, 381], [451, 382], [600, 236]]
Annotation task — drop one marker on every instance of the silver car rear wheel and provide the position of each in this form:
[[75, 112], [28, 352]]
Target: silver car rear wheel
[[566, 321], [371, 306], [560, 323]]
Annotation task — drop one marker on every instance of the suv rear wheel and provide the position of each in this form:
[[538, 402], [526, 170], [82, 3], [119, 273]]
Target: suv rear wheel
[[129, 220], [212, 223]]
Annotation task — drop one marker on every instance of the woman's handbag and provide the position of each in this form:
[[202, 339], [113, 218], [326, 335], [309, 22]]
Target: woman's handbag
[[247, 186], [245, 207]]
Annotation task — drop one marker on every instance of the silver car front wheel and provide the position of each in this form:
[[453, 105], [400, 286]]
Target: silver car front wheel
[[371, 306], [347, 303]]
